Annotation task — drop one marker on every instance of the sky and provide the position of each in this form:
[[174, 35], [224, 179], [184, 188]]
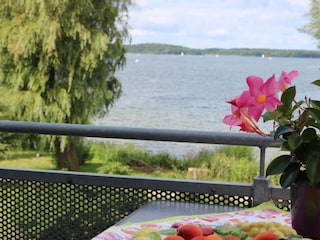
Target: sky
[[221, 23]]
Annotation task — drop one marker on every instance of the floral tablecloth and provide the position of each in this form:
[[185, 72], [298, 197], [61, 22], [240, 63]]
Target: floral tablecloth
[[264, 212]]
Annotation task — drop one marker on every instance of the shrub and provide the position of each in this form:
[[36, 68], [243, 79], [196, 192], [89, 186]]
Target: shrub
[[227, 163], [115, 168]]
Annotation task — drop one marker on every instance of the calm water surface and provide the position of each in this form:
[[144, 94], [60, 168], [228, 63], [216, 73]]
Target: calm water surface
[[189, 92]]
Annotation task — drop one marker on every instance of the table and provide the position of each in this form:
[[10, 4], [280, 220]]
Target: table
[[145, 217], [163, 209]]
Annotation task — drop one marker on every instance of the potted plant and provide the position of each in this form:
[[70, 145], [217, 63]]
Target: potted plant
[[297, 126]]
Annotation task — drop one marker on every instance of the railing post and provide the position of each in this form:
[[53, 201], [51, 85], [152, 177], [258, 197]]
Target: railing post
[[261, 190], [261, 184], [262, 161]]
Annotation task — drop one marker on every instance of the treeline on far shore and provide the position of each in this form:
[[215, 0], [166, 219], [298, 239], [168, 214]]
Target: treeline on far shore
[[154, 48]]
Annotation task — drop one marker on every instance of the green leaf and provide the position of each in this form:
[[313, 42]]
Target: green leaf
[[278, 165], [295, 141], [267, 116], [309, 134], [284, 121], [281, 130], [315, 103], [316, 82], [290, 175], [287, 96], [315, 113], [285, 146], [313, 166]]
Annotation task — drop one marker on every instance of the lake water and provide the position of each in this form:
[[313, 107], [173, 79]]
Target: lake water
[[190, 92]]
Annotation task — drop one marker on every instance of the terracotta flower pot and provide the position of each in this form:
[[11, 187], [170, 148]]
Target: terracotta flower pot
[[305, 210]]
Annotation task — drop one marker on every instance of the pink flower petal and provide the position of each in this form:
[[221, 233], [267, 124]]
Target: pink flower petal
[[293, 74], [285, 79], [270, 87], [231, 120], [255, 84], [271, 104], [256, 111], [245, 100]]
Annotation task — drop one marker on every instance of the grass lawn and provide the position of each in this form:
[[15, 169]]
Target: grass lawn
[[231, 164], [27, 160]]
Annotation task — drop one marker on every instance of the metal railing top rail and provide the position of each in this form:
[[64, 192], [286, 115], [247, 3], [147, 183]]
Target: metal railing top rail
[[189, 136], [121, 181]]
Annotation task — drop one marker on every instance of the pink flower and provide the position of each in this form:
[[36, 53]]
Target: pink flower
[[285, 79], [239, 107], [240, 115], [247, 109], [233, 119], [264, 95]]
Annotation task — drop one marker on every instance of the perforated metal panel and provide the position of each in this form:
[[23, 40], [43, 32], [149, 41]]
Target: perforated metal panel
[[283, 204], [64, 205], [240, 201], [49, 209], [40, 210]]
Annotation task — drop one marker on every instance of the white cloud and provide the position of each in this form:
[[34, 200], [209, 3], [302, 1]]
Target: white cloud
[[141, 33], [217, 32], [216, 23]]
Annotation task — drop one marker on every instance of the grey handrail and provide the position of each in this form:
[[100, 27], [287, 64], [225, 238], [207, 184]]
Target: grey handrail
[[86, 130], [170, 135]]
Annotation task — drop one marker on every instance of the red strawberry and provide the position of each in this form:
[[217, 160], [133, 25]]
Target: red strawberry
[[173, 237], [189, 231], [199, 238], [266, 236]]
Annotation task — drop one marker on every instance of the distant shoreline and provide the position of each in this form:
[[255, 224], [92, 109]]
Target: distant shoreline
[[155, 48]]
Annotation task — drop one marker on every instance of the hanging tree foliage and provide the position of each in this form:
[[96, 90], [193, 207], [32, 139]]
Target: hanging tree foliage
[[57, 63], [313, 27]]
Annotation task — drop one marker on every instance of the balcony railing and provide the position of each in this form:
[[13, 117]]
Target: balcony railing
[[69, 205]]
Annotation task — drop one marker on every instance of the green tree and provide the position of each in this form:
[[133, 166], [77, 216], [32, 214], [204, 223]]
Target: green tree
[[58, 60], [313, 27]]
